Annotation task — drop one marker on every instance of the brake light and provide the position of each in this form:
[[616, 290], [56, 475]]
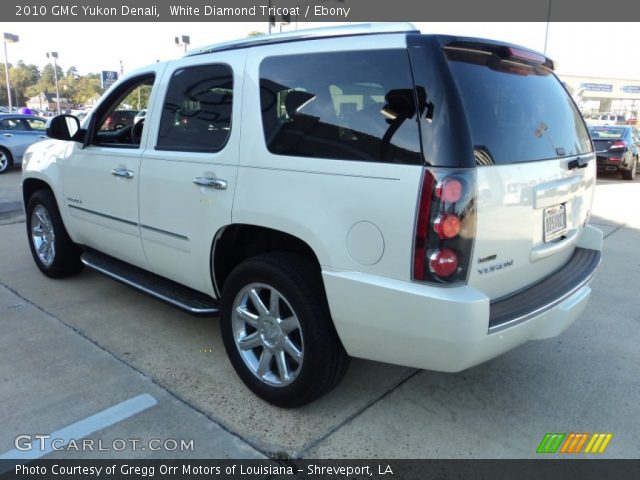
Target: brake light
[[618, 144], [443, 263], [522, 54], [445, 226]]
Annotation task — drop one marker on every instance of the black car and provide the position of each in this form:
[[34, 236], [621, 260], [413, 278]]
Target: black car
[[616, 149]]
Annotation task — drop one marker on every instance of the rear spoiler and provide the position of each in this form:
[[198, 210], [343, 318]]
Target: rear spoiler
[[504, 52]]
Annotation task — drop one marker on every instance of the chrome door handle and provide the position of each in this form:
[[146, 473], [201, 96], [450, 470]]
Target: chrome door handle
[[122, 172], [212, 182], [8, 135]]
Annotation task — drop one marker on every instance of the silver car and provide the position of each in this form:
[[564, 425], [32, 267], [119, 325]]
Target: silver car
[[17, 132]]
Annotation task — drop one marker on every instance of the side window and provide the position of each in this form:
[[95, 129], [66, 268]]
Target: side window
[[118, 121], [13, 124], [357, 105], [196, 115], [36, 124]]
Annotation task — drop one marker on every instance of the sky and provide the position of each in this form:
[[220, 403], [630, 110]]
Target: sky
[[577, 48]]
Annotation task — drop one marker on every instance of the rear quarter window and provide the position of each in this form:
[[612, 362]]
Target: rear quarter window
[[354, 105]]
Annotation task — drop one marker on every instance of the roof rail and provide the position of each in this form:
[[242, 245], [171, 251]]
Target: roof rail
[[310, 34]]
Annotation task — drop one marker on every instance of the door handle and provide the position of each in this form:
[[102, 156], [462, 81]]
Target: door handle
[[211, 182], [8, 135], [122, 172], [42, 136]]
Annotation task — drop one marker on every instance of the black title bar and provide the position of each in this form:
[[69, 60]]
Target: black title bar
[[316, 10]]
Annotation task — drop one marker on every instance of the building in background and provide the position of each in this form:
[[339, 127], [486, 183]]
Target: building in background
[[46, 102], [596, 95]]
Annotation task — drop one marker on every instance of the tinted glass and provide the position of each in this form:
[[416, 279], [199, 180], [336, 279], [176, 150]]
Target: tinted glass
[[516, 113], [36, 124], [606, 133], [343, 105], [196, 115], [12, 124]]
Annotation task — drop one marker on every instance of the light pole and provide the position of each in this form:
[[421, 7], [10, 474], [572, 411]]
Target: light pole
[[8, 38], [183, 41], [54, 55]]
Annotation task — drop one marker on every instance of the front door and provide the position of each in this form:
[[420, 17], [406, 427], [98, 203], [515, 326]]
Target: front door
[[101, 177]]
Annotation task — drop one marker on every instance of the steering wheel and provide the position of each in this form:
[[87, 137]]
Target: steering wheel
[[136, 132]]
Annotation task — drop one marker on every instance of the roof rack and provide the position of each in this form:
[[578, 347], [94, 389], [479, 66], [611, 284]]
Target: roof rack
[[310, 34]]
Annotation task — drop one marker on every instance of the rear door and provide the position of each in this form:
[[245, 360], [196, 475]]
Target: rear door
[[189, 169], [535, 168]]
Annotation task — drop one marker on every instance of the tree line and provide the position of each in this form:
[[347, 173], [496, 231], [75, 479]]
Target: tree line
[[28, 80]]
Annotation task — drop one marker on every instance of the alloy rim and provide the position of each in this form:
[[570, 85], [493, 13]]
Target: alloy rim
[[267, 334], [42, 235]]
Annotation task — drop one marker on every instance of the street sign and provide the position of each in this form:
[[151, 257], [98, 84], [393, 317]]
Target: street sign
[[108, 78]]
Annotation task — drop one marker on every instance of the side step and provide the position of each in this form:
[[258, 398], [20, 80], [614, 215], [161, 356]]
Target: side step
[[171, 292]]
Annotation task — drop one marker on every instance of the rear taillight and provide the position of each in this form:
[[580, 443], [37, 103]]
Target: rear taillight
[[445, 226], [618, 145]]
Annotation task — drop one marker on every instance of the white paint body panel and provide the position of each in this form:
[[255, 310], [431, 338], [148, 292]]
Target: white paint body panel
[[379, 313]]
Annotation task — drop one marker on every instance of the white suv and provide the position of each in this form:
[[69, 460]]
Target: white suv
[[365, 191]]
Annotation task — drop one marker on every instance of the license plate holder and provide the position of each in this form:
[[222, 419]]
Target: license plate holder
[[555, 222]]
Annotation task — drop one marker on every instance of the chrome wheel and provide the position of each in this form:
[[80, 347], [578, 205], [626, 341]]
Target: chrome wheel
[[42, 235], [4, 161], [267, 334]]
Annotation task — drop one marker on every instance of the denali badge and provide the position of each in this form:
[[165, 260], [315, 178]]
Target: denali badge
[[487, 258], [73, 200], [496, 267]]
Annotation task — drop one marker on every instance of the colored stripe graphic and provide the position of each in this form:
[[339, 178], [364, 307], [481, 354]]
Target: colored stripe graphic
[[550, 442], [598, 443], [574, 443]]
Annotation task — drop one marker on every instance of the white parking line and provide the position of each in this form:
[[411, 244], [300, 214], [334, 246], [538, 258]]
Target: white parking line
[[85, 427]]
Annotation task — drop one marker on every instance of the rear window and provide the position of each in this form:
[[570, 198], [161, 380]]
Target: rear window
[[606, 133], [516, 113]]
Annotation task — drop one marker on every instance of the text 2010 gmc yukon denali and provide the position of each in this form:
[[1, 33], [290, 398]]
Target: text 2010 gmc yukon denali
[[365, 191]]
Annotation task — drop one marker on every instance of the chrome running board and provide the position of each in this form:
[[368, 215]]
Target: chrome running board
[[171, 292]]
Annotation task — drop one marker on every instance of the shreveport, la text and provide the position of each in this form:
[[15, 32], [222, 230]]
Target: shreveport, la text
[[186, 469]]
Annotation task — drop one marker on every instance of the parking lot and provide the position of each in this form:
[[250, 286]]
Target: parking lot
[[70, 349]]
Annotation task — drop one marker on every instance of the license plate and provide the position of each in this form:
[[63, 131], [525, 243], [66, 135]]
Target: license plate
[[555, 222]]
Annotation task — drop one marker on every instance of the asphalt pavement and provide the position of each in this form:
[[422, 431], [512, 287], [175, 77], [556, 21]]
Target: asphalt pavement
[[73, 349]]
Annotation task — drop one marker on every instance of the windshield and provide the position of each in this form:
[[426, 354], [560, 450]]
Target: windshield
[[516, 112], [606, 133]]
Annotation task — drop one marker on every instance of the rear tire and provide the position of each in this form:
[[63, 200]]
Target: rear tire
[[52, 249], [277, 330], [631, 173]]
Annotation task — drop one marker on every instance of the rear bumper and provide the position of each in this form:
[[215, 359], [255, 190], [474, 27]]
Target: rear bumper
[[452, 329]]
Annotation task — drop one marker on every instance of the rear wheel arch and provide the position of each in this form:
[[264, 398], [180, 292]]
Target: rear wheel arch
[[236, 243]]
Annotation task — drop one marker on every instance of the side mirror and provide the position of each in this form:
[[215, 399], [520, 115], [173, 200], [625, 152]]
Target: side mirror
[[65, 127]]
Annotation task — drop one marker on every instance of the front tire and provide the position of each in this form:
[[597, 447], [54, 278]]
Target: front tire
[[52, 249], [6, 160], [277, 330]]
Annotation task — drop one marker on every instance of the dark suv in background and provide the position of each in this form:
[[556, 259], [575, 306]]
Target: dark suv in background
[[616, 149]]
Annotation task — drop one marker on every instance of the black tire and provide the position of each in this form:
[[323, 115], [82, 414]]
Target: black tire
[[66, 257], [631, 173], [6, 160], [324, 360]]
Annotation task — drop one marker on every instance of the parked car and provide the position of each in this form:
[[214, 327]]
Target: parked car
[[608, 119], [332, 194], [17, 132], [616, 149]]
